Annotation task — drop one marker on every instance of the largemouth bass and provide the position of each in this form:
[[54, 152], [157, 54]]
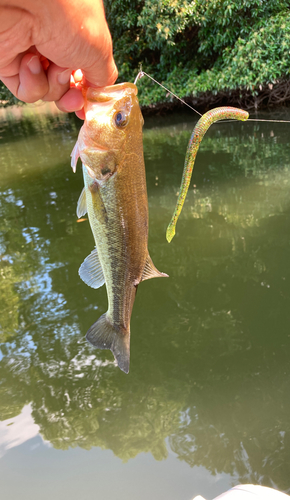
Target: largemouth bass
[[115, 197]]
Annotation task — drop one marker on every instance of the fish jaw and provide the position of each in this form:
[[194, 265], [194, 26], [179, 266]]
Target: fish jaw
[[104, 94]]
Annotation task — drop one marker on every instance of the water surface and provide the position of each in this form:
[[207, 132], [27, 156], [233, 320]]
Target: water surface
[[206, 403]]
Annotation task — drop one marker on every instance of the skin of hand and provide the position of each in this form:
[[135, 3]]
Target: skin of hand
[[42, 44]]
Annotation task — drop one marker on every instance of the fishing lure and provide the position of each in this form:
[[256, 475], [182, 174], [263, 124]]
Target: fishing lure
[[197, 135]]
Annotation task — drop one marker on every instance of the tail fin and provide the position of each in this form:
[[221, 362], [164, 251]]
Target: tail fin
[[103, 335]]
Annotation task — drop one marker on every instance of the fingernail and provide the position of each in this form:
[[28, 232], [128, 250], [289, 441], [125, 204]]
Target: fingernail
[[64, 77], [34, 65]]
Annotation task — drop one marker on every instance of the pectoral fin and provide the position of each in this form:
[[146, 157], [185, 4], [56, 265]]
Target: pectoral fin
[[91, 271], [82, 204], [74, 156], [150, 271], [98, 204]]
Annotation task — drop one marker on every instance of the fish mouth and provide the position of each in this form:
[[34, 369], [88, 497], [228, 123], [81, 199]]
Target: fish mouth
[[111, 92], [100, 149]]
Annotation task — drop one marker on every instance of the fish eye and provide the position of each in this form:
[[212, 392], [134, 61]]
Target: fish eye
[[121, 118]]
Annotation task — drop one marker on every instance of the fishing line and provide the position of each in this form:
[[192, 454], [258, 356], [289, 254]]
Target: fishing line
[[142, 73], [272, 121]]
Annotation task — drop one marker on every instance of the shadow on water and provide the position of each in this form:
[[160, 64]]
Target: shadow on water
[[210, 346]]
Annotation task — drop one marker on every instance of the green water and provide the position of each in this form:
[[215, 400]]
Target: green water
[[206, 403]]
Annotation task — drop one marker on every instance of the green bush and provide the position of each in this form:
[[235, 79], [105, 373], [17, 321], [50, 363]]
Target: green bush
[[199, 46], [6, 98], [263, 57]]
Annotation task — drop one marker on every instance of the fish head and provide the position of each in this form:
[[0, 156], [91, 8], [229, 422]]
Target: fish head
[[113, 124]]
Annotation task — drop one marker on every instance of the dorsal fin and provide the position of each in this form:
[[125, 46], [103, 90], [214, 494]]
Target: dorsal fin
[[82, 204], [91, 271], [150, 271]]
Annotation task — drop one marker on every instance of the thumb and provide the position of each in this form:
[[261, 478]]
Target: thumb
[[102, 71]]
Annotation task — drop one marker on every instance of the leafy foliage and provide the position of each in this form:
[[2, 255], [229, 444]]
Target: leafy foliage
[[261, 58], [201, 46], [6, 98]]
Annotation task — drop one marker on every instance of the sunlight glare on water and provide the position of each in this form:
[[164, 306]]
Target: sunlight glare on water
[[206, 403]]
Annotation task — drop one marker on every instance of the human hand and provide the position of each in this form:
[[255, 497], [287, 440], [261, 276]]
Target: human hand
[[42, 44]]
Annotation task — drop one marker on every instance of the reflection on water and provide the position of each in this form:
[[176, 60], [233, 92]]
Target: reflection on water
[[209, 377], [15, 431]]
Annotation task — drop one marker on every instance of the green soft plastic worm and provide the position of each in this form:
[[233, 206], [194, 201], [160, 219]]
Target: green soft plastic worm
[[199, 131]]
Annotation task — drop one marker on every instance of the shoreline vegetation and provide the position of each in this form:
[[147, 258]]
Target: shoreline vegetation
[[208, 52], [268, 97], [19, 111]]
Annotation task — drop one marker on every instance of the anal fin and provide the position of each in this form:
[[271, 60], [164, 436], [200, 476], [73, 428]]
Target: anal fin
[[91, 271], [150, 271]]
